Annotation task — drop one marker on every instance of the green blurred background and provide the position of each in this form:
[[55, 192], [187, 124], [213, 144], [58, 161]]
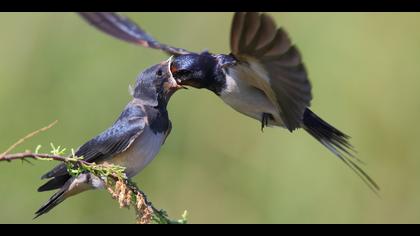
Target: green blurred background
[[216, 164]]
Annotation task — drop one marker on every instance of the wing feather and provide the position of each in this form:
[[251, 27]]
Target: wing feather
[[236, 30], [125, 29], [112, 141], [265, 34], [274, 65]]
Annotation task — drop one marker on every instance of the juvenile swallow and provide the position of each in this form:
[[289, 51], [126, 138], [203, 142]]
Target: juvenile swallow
[[263, 77], [132, 141]]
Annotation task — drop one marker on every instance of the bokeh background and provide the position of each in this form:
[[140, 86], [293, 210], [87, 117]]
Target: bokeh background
[[216, 164]]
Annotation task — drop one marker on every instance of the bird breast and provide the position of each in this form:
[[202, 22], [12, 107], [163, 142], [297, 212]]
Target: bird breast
[[245, 98], [140, 153]]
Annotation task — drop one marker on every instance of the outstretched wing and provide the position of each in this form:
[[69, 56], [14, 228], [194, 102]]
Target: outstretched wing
[[267, 53], [123, 28], [112, 141]]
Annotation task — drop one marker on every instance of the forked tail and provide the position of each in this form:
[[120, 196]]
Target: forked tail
[[337, 142], [60, 182], [55, 199]]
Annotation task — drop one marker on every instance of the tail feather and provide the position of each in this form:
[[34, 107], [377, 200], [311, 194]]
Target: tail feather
[[338, 143], [55, 183], [55, 199]]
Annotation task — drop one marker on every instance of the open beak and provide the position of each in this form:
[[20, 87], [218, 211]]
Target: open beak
[[176, 82]]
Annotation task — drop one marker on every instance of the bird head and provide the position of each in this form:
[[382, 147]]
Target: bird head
[[156, 84], [195, 70]]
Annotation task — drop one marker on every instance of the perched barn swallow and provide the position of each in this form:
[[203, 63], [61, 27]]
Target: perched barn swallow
[[263, 77], [132, 141]]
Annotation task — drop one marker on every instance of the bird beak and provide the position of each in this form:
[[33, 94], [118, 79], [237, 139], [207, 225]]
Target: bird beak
[[177, 84]]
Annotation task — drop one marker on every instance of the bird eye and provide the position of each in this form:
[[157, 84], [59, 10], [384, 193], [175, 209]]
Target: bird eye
[[159, 73]]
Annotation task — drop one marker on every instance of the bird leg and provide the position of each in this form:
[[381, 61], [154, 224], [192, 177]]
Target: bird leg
[[264, 120]]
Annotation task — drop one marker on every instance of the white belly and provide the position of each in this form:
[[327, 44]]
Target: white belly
[[141, 152], [246, 99]]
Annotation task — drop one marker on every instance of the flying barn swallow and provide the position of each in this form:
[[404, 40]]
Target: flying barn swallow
[[132, 141], [263, 77]]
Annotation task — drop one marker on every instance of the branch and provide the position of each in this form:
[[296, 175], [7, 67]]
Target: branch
[[40, 156], [122, 189], [28, 136]]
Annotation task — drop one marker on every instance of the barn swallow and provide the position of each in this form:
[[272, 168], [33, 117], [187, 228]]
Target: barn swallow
[[263, 77], [132, 141]]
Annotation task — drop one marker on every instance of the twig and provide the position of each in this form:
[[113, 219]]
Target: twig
[[161, 215], [28, 136], [31, 155], [146, 212]]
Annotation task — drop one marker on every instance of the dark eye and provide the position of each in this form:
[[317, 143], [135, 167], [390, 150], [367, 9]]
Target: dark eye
[[159, 73]]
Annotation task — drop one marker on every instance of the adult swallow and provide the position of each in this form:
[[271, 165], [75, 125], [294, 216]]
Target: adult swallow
[[263, 77], [132, 141]]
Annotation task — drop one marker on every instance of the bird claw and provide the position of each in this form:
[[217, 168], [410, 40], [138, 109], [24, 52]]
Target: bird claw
[[264, 121]]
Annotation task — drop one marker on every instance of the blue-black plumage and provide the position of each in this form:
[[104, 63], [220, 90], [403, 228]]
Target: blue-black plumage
[[263, 77], [131, 142]]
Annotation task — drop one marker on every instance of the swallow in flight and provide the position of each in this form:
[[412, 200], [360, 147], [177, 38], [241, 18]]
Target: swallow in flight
[[263, 77]]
